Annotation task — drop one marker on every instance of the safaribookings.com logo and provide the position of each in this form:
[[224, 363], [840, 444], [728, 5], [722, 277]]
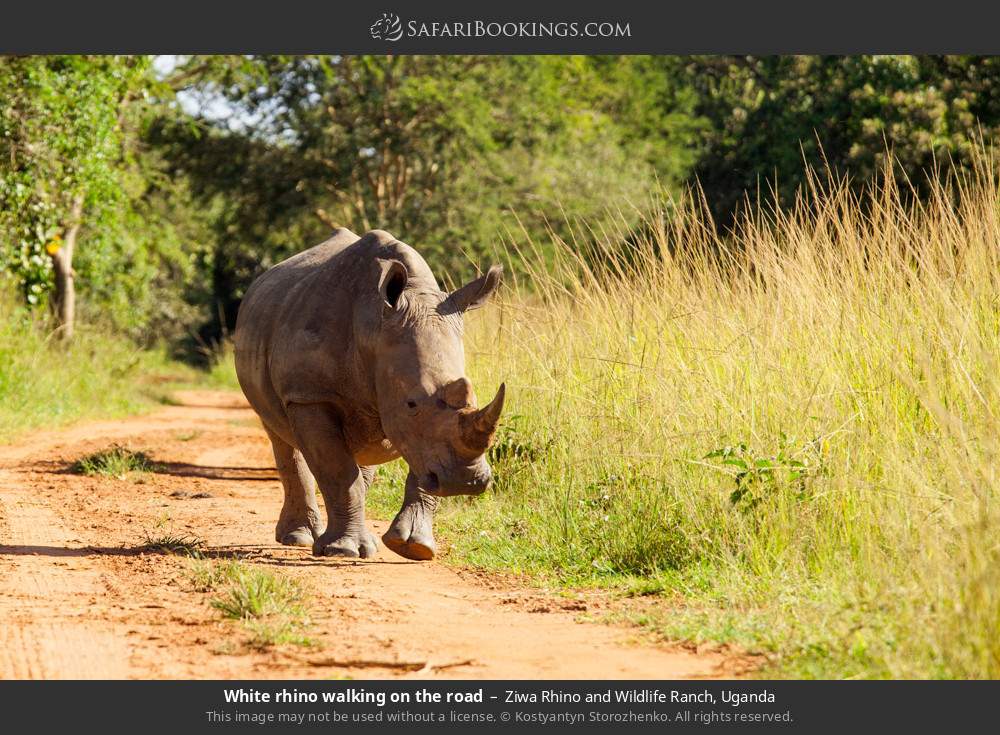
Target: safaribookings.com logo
[[387, 28], [390, 28]]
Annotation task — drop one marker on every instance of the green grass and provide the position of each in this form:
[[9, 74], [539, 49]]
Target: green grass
[[208, 575], [266, 633], [173, 543], [45, 383], [116, 461], [270, 607], [255, 593], [221, 371], [790, 439]]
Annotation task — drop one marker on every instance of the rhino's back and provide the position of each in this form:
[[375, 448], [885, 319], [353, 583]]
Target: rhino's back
[[276, 326], [295, 335], [273, 287]]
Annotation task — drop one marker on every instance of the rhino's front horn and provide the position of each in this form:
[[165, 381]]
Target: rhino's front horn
[[488, 416], [479, 426]]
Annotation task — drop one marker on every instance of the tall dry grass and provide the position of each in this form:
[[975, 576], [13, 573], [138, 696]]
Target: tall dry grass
[[790, 434]]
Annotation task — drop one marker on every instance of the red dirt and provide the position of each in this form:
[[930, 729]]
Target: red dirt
[[79, 600]]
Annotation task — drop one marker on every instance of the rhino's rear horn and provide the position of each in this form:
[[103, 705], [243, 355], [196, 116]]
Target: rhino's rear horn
[[458, 393]]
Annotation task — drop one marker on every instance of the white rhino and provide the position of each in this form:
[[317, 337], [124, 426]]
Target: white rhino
[[352, 356]]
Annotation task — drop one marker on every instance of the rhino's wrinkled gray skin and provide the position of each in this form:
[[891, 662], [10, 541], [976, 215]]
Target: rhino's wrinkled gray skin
[[352, 356]]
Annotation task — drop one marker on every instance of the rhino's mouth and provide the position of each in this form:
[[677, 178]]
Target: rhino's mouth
[[465, 482]]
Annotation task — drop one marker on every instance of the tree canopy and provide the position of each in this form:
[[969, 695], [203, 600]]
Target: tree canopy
[[182, 178]]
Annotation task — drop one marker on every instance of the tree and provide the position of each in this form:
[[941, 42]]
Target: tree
[[772, 117], [449, 153], [62, 147]]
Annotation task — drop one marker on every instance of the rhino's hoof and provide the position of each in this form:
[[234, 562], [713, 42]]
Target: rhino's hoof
[[297, 537], [416, 547], [346, 546]]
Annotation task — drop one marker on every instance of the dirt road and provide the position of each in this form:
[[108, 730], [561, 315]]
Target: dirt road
[[80, 599]]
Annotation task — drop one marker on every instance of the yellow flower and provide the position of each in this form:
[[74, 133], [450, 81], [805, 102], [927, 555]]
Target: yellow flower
[[53, 247]]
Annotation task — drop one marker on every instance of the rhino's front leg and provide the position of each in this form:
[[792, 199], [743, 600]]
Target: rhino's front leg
[[412, 532], [344, 485]]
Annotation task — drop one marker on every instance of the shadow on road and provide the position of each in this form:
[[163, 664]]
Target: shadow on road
[[247, 552], [183, 469]]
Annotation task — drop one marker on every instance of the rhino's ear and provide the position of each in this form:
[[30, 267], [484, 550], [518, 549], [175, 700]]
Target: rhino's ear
[[392, 281], [476, 293]]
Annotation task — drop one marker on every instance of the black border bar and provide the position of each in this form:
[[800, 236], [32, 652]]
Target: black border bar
[[368, 706], [665, 27]]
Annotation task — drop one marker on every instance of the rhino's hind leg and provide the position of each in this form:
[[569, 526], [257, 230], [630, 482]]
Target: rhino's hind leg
[[343, 484], [411, 534], [300, 521]]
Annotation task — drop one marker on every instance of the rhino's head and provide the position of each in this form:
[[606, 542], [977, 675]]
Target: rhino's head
[[426, 404]]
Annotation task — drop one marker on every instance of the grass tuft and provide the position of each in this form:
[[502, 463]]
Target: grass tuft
[[267, 633], [255, 593], [117, 461], [207, 576], [270, 607], [173, 543]]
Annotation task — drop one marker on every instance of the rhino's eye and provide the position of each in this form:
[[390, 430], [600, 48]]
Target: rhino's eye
[[411, 404]]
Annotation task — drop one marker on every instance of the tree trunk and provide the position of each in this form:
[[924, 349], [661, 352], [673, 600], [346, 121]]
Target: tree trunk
[[64, 299]]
